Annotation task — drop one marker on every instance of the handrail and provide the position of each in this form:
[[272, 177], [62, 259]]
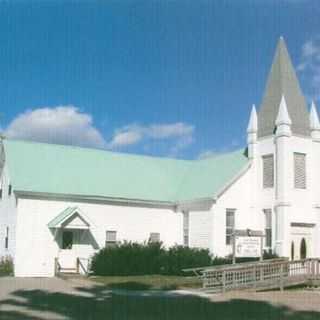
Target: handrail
[[80, 265], [57, 266], [237, 265], [276, 273]]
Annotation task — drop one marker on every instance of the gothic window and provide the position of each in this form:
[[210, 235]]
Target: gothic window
[[268, 171], [229, 225], [299, 170], [303, 249]]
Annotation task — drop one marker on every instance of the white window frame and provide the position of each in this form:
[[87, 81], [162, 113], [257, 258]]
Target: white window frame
[[230, 228], [154, 237], [268, 228], [267, 177], [186, 226], [300, 180], [111, 241]]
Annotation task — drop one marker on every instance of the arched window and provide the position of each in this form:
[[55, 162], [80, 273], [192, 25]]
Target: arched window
[[303, 249], [292, 250]]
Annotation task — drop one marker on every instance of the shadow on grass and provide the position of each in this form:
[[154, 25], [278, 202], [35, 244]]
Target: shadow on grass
[[98, 303], [139, 286]]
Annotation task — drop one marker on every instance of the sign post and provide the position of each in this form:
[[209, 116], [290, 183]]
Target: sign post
[[247, 244]]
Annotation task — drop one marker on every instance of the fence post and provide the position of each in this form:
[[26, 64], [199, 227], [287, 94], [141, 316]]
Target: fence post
[[204, 279], [56, 267], [77, 266], [224, 281], [255, 277], [281, 277]]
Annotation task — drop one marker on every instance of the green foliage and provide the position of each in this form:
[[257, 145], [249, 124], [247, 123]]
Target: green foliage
[[134, 259], [6, 266], [128, 258], [179, 257], [131, 258]]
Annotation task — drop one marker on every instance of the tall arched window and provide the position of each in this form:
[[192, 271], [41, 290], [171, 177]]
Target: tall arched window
[[303, 249], [292, 250]]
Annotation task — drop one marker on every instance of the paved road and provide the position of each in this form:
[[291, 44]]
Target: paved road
[[51, 298]]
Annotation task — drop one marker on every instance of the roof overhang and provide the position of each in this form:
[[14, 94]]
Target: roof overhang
[[70, 218], [95, 199]]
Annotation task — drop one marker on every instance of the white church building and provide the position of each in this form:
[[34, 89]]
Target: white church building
[[63, 203]]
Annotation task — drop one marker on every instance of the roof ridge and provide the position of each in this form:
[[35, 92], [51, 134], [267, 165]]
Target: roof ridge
[[90, 149]]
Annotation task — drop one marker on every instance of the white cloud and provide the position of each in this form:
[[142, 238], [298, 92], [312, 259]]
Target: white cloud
[[235, 144], [61, 124], [207, 154], [67, 125], [309, 66], [179, 134], [125, 136]]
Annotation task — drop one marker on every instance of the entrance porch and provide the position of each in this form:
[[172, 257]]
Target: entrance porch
[[76, 244]]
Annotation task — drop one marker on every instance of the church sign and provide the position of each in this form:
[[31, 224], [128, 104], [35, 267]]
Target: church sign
[[247, 244], [248, 247]]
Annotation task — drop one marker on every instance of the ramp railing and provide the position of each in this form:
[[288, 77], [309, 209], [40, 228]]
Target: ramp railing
[[276, 273]]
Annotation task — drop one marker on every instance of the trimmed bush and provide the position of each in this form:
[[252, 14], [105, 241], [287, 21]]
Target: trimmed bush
[[179, 257], [130, 259], [6, 266]]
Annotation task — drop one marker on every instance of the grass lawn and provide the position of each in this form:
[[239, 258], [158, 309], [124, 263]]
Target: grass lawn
[[148, 282]]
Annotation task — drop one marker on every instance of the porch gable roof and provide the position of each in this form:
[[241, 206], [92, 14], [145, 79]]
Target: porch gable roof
[[66, 214]]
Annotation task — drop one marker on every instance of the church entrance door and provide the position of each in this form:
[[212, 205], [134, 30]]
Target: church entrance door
[[301, 242]]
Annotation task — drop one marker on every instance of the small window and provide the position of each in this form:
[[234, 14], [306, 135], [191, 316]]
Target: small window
[[230, 214], [186, 229], [6, 239], [299, 171], [111, 238], [268, 227], [268, 171], [9, 190], [67, 240], [154, 237]]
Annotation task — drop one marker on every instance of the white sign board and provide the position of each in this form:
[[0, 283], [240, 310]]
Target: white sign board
[[248, 247]]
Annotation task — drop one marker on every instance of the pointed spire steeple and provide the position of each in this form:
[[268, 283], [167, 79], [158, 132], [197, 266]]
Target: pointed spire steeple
[[253, 121], [282, 81], [314, 119], [283, 115], [283, 121]]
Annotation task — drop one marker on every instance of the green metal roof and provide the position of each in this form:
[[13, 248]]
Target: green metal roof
[[68, 170], [61, 217]]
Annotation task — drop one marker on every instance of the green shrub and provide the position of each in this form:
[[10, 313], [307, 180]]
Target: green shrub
[[131, 258], [128, 258], [6, 266], [179, 257]]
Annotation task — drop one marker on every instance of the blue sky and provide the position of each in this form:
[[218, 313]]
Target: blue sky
[[168, 78]]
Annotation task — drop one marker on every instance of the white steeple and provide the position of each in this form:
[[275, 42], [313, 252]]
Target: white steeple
[[283, 115], [253, 122], [314, 122], [283, 121], [252, 132]]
